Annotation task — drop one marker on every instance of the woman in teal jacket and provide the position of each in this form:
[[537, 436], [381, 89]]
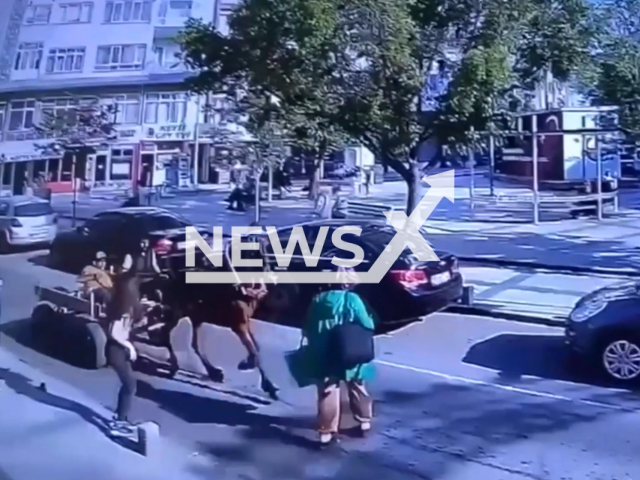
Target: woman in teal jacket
[[329, 309]]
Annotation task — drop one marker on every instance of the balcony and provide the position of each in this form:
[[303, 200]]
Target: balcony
[[23, 135], [154, 68], [170, 21]]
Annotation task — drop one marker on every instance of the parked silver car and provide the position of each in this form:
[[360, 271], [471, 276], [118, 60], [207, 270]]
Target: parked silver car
[[26, 220]]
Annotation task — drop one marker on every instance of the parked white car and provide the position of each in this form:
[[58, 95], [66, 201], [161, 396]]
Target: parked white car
[[25, 221]]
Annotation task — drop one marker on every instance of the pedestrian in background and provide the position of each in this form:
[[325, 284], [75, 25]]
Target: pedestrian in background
[[338, 348]]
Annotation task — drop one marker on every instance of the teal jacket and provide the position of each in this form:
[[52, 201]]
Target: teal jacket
[[328, 310]]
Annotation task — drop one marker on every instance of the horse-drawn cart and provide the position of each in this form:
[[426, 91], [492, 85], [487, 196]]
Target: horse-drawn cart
[[71, 324]]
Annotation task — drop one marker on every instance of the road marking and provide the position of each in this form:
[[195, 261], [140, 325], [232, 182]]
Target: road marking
[[507, 388]]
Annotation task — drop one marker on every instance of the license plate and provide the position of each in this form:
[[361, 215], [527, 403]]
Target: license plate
[[440, 278]]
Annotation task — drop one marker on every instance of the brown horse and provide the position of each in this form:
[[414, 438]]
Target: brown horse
[[225, 305]]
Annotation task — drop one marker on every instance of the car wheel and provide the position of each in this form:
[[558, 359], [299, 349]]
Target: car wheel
[[620, 359]]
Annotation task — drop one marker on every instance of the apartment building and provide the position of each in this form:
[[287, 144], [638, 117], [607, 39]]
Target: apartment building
[[56, 54]]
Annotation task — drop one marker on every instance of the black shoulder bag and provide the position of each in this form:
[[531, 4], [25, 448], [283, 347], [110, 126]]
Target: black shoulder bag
[[351, 344]]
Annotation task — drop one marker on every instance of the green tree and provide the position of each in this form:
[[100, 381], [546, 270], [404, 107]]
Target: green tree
[[615, 78], [360, 65], [76, 133], [228, 64]]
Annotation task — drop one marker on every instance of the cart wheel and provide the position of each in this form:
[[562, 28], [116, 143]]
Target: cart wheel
[[96, 340], [43, 312]]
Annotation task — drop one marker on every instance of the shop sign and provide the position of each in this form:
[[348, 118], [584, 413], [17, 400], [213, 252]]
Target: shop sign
[[127, 133], [169, 132], [25, 158]]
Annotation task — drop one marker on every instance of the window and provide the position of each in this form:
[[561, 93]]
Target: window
[[65, 60], [3, 110], [66, 169], [21, 115], [121, 57], [165, 108], [7, 173], [128, 109], [29, 56], [223, 21], [54, 170], [76, 12], [159, 55], [37, 14], [60, 108], [128, 11], [180, 8], [33, 209], [163, 222], [121, 161]]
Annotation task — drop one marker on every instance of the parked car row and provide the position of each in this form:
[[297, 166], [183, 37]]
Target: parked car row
[[602, 332], [411, 289]]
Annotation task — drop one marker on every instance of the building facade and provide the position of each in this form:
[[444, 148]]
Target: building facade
[[56, 54]]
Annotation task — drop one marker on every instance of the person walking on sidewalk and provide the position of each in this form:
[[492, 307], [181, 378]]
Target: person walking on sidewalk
[[339, 349], [123, 312]]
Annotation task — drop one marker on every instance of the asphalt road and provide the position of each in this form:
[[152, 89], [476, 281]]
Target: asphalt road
[[458, 398]]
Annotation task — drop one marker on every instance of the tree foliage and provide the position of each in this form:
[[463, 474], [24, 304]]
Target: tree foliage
[[615, 80], [76, 131], [360, 65]]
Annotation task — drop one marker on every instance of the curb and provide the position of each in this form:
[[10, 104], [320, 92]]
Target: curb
[[535, 265], [480, 311]]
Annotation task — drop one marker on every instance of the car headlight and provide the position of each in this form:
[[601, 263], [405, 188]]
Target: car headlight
[[587, 310]]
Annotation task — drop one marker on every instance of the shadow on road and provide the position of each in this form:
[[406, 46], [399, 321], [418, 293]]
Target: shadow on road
[[194, 409], [543, 356], [68, 344], [419, 433], [44, 260], [23, 386]]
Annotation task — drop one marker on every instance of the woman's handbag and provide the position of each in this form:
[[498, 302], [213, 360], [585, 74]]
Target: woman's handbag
[[352, 344], [299, 363]]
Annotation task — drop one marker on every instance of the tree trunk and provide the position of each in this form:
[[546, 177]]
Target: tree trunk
[[314, 177], [414, 184]]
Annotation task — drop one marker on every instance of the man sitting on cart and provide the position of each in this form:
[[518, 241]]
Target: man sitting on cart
[[96, 279], [145, 265]]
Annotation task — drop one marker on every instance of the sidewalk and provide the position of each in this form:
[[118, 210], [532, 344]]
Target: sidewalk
[[55, 435], [541, 297]]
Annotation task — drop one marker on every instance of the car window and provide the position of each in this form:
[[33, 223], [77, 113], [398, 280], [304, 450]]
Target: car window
[[33, 210], [154, 223], [377, 241], [310, 233], [4, 208], [105, 223]]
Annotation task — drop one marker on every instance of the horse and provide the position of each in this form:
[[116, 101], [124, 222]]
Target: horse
[[225, 305]]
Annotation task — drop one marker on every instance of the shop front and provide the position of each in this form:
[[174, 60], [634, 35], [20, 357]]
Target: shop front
[[17, 171], [164, 156]]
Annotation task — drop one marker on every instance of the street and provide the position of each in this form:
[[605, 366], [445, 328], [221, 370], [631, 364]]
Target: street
[[457, 397]]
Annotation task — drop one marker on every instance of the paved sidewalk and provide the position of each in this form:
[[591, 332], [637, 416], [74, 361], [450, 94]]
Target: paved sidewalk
[[55, 435], [531, 294]]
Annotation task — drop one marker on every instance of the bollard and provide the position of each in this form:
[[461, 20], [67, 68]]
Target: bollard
[[467, 296], [148, 438]]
